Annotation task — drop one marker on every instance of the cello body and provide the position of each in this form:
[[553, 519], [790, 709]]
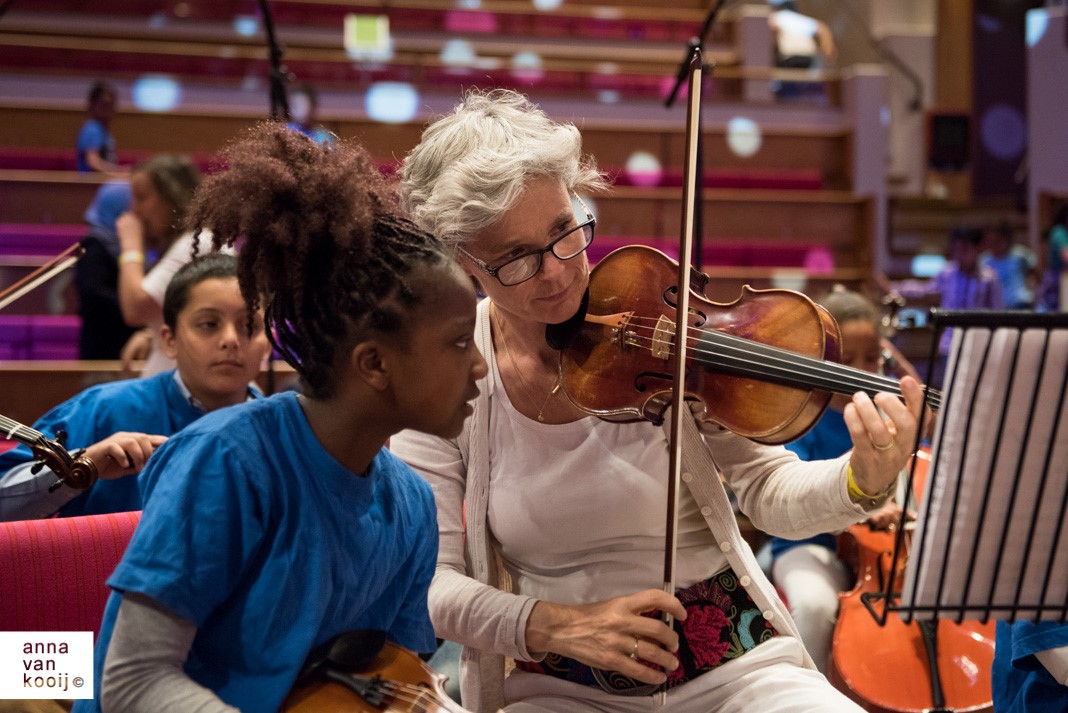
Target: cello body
[[885, 669]]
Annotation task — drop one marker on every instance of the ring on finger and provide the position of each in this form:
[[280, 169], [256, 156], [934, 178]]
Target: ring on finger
[[886, 447], [634, 651]]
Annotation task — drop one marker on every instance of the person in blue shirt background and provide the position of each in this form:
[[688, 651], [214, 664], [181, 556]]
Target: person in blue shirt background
[[275, 526], [96, 145], [1014, 264], [304, 114], [96, 276], [1030, 671], [121, 423]]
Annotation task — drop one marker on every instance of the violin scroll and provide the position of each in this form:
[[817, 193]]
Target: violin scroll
[[75, 470]]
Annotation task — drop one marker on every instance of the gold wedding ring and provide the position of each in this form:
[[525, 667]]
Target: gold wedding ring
[[887, 447]]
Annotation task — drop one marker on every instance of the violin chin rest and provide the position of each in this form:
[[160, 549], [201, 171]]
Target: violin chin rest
[[560, 335], [349, 651]]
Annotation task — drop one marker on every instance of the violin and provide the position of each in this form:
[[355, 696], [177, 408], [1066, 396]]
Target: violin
[[924, 665], [764, 366], [76, 469], [361, 672]]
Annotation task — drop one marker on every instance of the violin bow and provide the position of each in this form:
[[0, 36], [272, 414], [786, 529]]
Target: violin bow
[[679, 410], [65, 260]]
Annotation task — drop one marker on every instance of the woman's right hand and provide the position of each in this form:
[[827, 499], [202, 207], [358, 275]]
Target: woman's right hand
[[605, 634]]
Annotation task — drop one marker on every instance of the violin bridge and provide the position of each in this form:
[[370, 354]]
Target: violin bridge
[[663, 336]]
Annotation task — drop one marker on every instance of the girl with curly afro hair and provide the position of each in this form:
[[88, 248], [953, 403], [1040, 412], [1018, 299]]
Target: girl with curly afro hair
[[272, 527]]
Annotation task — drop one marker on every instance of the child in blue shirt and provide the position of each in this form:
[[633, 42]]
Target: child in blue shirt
[[95, 144], [275, 526], [121, 423]]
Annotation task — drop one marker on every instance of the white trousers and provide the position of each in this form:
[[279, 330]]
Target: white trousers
[[769, 679], [810, 577]]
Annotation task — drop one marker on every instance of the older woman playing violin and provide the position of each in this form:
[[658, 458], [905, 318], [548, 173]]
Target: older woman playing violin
[[556, 561]]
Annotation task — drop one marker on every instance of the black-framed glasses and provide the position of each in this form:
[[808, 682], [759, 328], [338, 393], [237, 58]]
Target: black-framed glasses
[[571, 243]]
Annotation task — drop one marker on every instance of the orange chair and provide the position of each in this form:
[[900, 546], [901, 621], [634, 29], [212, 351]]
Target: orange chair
[[53, 571]]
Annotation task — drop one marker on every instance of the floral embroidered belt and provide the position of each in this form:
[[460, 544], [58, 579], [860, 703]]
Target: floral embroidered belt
[[722, 623]]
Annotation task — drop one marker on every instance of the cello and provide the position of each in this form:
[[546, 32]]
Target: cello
[[898, 667]]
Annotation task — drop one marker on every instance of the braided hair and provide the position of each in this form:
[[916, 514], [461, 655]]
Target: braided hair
[[320, 245]]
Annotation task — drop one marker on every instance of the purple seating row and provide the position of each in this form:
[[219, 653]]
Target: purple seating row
[[405, 19], [49, 159], [766, 179], [39, 336], [327, 72], [26, 239], [32, 158]]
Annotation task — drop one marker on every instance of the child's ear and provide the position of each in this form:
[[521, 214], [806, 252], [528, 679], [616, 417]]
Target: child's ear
[[367, 364], [168, 342]]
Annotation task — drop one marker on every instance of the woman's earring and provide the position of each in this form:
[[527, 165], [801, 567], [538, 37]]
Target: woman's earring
[[479, 292]]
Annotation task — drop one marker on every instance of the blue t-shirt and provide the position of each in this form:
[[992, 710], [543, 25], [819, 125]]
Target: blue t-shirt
[[829, 438], [151, 405], [270, 547], [1012, 271], [1020, 683], [94, 136]]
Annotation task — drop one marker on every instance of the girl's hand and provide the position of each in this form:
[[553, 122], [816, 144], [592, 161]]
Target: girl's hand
[[131, 232]]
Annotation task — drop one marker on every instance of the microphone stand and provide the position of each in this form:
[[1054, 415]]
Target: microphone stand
[[696, 47], [279, 75]]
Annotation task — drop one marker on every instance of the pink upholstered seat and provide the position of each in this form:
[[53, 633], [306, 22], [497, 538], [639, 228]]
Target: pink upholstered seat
[[53, 571]]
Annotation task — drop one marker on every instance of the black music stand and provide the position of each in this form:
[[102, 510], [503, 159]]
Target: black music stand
[[991, 538]]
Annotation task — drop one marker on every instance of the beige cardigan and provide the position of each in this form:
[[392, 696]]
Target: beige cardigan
[[470, 598]]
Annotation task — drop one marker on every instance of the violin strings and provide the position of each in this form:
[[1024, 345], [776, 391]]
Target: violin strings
[[414, 695], [737, 352], [12, 429]]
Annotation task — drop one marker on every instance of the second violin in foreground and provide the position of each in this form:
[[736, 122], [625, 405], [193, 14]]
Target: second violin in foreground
[[763, 366]]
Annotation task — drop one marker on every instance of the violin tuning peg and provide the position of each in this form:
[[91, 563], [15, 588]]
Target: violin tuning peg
[[61, 437], [36, 468]]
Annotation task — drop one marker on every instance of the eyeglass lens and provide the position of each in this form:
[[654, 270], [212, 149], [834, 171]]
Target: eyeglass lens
[[565, 247]]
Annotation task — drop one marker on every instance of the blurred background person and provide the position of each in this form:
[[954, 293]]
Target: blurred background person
[[96, 145], [808, 572], [1053, 291], [801, 42], [1014, 264], [162, 188], [304, 114], [96, 276]]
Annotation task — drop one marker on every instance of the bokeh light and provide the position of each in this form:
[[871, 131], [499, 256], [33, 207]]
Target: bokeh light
[[526, 67], [643, 169], [156, 93], [743, 136], [1037, 24], [392, 102]]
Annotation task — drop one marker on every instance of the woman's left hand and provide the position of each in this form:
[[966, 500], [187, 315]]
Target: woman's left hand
[[882, 445]]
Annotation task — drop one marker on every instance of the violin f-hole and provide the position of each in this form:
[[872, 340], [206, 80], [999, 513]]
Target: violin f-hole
[[669, 299]]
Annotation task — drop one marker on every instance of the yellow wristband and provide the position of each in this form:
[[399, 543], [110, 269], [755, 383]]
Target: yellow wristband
[[854, 490], [132, 256]]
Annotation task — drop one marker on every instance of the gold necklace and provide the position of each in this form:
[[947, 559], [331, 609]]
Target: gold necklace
[[519, 373]]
